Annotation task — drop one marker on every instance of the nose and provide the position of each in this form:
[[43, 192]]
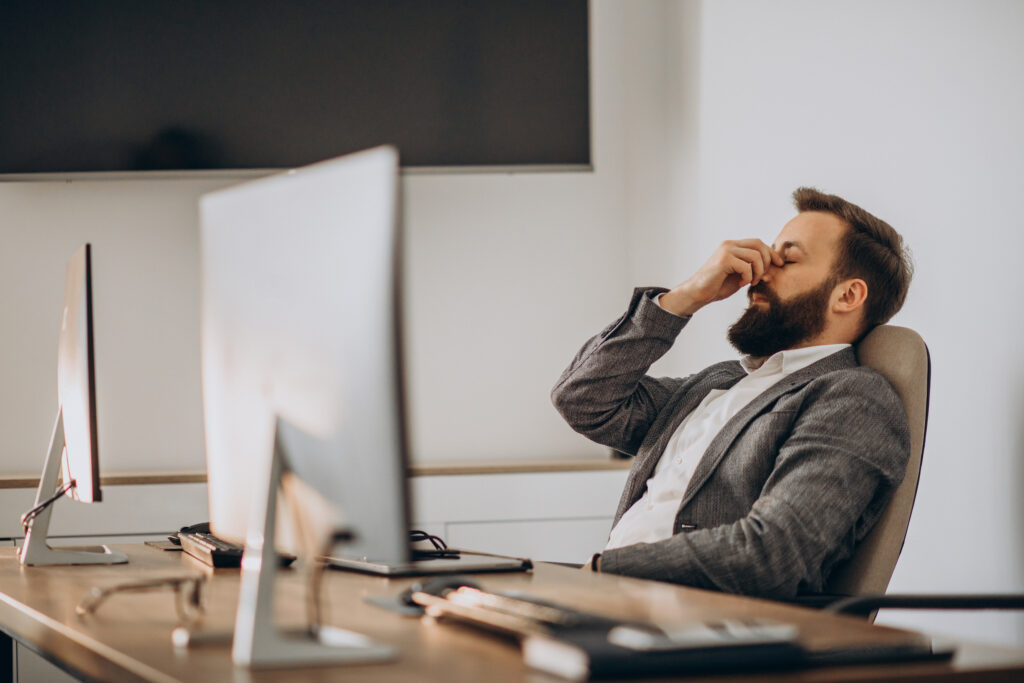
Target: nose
[[769, 272]]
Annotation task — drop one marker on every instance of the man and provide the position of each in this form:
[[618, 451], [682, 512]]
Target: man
[[759, 476]]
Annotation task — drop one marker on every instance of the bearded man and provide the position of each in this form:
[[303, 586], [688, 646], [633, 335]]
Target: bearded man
[[758, 476]]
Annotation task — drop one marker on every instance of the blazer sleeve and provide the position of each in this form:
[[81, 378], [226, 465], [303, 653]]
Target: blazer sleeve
[[605, 393], [846, 454]]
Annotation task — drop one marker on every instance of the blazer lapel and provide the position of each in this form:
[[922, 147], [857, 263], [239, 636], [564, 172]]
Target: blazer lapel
[[720, 444], [720, 376]]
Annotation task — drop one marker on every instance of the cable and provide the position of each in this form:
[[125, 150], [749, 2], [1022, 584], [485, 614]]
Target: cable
[[416, 535], [26, 519]]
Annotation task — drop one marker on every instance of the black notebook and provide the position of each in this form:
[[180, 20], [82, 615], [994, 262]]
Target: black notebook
[[731, 646], [627, 652]]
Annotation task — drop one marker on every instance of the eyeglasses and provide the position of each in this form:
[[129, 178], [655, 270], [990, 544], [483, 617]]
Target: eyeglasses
[[188, 592]]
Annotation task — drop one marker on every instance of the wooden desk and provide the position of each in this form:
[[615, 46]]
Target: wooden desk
[[129, 638]]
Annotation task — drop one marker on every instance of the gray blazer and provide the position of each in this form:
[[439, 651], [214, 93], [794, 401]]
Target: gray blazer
[[786, 489]]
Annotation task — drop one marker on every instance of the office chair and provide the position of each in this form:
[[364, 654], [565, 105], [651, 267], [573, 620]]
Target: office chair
[[901, 356], [858, 587]]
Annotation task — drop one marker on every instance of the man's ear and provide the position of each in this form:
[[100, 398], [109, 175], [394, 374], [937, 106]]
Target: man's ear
[[852, 295]]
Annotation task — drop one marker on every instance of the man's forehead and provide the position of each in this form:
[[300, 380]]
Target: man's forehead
[[810, 232]]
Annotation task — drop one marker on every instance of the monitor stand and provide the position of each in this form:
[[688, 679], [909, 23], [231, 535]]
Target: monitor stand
[[258, 642], [36, 550]]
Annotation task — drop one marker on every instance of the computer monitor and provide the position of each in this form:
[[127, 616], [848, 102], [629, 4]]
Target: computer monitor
[[301, 365], [74, 447], [76, 381]]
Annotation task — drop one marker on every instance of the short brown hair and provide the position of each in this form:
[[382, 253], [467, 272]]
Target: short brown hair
[[871, 250]]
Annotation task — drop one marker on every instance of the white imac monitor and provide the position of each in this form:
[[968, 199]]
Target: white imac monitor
[[300, 322], [302, 383], [73, 457], [76, 381]]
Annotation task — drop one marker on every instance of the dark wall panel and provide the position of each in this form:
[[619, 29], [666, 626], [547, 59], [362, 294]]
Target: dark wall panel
[[111, 85]]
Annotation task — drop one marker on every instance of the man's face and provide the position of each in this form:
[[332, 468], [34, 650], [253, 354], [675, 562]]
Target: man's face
[[789, 307]]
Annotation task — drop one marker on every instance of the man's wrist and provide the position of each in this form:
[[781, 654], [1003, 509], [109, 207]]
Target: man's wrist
[[595, 562], [678, 303]]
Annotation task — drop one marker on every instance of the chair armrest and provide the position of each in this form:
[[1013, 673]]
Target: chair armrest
[[865, 604], [817, 600]]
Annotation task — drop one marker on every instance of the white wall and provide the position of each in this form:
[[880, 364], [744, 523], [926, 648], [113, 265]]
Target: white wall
[[146, 294], [913, 110], [507, 275]]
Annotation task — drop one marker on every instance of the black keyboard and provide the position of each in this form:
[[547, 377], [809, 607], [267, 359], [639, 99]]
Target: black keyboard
[[197, 541], [210, 550]]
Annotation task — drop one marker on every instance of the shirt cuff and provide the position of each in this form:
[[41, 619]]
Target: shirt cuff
[[657, 300]]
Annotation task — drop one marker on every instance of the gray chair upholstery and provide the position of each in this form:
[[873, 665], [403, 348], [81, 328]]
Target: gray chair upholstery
[[901, 356]]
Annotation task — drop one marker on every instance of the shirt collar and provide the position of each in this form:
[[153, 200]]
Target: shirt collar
[[789, 360]]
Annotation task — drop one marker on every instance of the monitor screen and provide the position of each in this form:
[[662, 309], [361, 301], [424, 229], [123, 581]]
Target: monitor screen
[[300, 318], [76, 381], [137, 85]]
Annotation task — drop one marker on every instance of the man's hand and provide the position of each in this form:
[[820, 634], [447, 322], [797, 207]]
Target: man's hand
[[735, 264]]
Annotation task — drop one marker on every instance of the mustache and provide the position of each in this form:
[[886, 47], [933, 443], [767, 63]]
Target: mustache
[[762, 289]]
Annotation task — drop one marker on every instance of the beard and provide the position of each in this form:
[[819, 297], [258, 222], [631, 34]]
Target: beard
[[763, 331]]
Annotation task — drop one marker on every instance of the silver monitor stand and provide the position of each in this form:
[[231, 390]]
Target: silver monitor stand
[[36, 550], [258, 642]]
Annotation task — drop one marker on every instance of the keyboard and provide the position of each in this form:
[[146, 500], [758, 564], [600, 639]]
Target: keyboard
[[198, 542], [210, 550], [550, 614]]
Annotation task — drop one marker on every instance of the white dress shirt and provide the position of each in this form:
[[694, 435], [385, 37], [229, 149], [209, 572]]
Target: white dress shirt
[[653, 516]]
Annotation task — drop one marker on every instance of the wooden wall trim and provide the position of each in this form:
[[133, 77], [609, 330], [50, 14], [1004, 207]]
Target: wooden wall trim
[[30, 481]]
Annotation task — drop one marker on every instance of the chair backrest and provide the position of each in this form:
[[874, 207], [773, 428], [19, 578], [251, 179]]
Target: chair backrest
[[901, 356]]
